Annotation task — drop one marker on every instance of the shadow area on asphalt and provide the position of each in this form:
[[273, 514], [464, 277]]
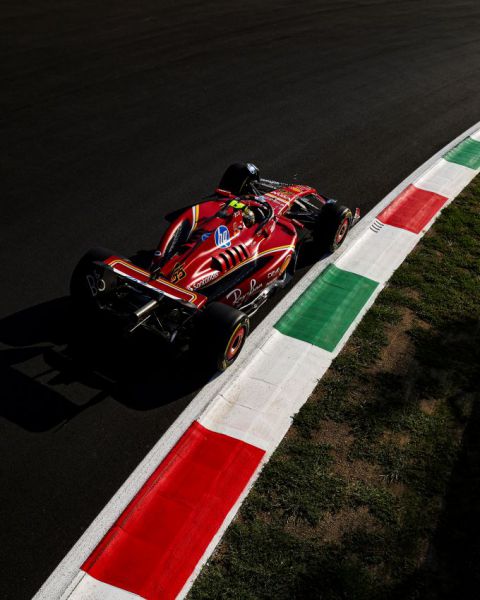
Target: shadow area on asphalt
[[54, 367]]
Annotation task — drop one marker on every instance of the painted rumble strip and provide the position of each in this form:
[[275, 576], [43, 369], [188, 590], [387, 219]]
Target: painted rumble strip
[[467, 154], [325, 311], [153, 537], [413, 209], [156, 543]]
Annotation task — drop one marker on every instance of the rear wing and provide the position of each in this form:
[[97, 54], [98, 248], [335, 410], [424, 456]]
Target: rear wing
[[126, 269]]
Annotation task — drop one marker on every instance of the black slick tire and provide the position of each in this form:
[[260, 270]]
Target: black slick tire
[[332, 227], [88, 282], [238, 177], [220, 334]]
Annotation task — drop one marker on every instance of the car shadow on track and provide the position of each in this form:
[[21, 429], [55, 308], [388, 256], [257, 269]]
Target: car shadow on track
[[53, 368]]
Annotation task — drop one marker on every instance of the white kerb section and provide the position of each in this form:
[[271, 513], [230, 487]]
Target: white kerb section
[[445, 178], [258, 407], [379, 252], [89, 588]]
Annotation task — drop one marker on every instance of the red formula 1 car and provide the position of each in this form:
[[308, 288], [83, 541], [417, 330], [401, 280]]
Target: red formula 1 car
[[216, 264]]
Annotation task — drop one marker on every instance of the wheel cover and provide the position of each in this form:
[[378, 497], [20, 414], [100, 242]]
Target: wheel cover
[[342, 231], [236, 342]]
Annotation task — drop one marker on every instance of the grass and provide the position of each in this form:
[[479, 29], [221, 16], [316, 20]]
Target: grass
[[374, 492]]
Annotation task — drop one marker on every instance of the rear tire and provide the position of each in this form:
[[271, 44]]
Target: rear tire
[[238, 177], [332, 227], [88, 283], [221, 332]]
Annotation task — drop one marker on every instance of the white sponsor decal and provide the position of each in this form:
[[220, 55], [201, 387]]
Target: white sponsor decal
[[95, 283], [273, 273], [238, 297], [203, 281]]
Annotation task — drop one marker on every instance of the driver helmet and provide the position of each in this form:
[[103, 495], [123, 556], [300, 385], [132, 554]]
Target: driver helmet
[[248, 216]]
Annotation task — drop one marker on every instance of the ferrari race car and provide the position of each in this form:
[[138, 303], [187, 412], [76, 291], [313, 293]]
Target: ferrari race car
[[217, 263]]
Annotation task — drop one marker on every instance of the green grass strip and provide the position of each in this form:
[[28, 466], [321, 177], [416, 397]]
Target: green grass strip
[[467, 153], [327, 308]]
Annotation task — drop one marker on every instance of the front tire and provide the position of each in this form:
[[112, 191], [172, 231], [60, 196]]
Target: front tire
[[238, 177], [332, 227], [221, 331]]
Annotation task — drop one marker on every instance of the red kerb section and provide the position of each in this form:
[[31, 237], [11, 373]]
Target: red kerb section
[[413, 209], [156, 543]]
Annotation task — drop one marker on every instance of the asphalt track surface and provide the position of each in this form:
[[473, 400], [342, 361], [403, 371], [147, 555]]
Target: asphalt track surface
[[113, 113]]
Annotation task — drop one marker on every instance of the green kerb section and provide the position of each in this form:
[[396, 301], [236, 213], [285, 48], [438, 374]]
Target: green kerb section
[[327, 308], [467, 153]]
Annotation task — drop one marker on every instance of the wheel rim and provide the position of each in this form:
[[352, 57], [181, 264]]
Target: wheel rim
[[342, 231], [235, 343]]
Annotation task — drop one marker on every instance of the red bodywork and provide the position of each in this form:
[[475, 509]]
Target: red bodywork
[[210, 247]]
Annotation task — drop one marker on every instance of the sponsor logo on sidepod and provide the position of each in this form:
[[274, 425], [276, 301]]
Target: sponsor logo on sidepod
[[237, 296], [204, 281], [222, 237]]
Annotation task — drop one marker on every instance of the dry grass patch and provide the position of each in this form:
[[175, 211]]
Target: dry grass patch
[[429, 405], [336, 525]]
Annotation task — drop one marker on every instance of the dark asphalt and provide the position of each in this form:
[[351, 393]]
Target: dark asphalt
[[113, 113]]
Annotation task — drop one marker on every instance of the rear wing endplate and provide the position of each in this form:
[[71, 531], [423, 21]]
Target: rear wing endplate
[[126, 269]]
